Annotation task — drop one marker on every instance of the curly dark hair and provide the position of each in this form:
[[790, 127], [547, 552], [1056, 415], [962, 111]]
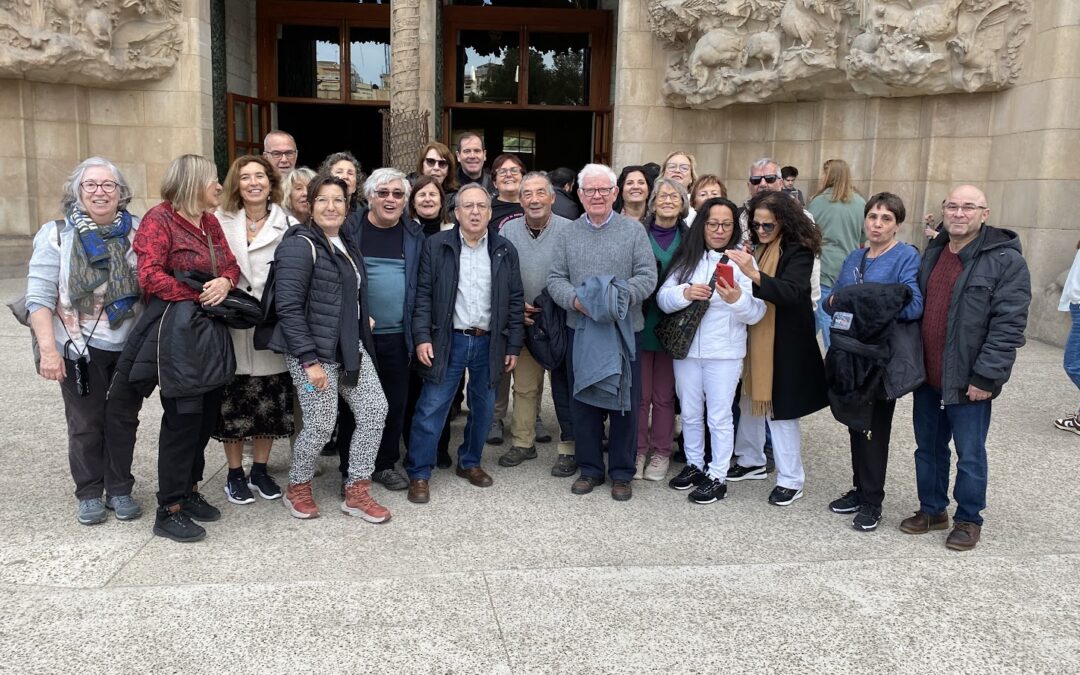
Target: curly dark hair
[[795, 225]]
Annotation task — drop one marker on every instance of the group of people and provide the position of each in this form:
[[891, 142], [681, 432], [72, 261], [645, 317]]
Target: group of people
[[639, 296]]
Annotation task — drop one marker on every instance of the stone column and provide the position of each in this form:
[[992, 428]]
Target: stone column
[[412, 68]]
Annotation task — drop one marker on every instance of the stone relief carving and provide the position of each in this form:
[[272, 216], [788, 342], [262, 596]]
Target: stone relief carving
[[89, 41], [735, 51]]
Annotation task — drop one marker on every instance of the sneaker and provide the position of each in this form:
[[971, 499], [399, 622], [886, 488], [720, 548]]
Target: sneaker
[[639, 467], [264, 485], [389, 479], [708, 492], [237, 491], [541, 433], [738, 473], [565, 466], [782, 496], [657, 468], [198, 508], [867, 519], [359, 502], [298, 500], [516, 455], [173, 523], [92, 511], [846, 503], [689, 477], [495, 433], [125, 507], [1069, 423]]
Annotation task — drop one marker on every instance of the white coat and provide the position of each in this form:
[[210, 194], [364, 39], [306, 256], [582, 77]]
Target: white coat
[[722, 332], [254, 260]]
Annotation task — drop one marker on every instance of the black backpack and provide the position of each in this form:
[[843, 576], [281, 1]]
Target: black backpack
[[546, 338]]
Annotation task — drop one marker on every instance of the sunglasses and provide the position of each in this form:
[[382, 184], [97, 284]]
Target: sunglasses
[[436, 163], [396, 194], [764, 227], [770, 179]]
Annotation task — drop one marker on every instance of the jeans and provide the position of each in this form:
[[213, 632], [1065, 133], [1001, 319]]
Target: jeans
[[1072, 346], [466, 352], [824, 319], [966, 424]]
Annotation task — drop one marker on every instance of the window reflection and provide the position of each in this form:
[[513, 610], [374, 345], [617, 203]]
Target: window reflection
[[487, 66], [558, 63], [369, 61], [309, 61]]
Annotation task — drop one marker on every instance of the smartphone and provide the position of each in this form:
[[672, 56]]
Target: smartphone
[[724, 271]]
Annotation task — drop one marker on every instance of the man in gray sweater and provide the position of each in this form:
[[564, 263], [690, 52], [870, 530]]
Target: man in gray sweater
[[535, 235], [602, 242]]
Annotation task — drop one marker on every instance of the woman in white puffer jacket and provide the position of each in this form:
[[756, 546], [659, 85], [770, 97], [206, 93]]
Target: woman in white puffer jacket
[[708, 376]]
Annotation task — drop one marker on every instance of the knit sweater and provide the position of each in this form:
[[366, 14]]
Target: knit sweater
[[620, 247], [841, 226], [534, 255]]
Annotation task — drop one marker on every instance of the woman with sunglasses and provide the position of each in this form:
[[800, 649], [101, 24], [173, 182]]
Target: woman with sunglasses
[[437, 161], [706, 379], [784, 376], [506, 171]]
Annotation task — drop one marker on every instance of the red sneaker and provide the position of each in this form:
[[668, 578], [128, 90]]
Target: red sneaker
[[299, 501], [359, 502]]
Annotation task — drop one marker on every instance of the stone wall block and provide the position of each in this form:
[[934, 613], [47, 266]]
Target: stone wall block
[[896, 159], [750, 123], [803, 156], [54, 102], [960, 115], [957, 160], [1058, 53], [637, 86], [11, 98], [638, 50], [51, 174], [795, 121], [894, 117], [844, 119], [711, 158], [16, 218], [55, 140], [172, 109], [110, 106], [740, 155], [14, 142], [1051, 14]]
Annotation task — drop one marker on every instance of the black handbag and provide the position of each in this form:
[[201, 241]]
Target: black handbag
[[676, 330]]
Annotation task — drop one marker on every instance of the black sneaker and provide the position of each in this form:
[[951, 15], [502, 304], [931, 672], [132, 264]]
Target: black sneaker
[[782, 496], [565, 466], [265, 485], [708, 492], [738, 473], [199, 509], [237, 491], [846, 503], [176, 525], [390, 479], [689, 477], [867, 519]]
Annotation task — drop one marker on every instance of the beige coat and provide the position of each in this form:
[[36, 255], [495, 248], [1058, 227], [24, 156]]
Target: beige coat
[[254, 260]]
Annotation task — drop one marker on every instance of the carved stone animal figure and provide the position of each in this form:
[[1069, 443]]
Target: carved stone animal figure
[[866, 42], [935, 22], [99, 26], [715, 48], [806, 20], [764, 46], [69, 11]]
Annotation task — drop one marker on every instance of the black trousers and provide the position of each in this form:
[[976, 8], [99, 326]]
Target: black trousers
[[870, 456], [393, 357], [101, 429], [186, 426]]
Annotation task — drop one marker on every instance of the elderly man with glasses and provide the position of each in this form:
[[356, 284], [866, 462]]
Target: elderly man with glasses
[[279, 148], [602, 249], [977, 290]]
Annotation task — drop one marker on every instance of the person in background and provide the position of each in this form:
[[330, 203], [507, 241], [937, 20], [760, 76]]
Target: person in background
[[707, 186], [279, 148], [682, 167], [789, 174], [294, 193], [566, 205], [471, 157], [82, 294], [635, 186], [346, 167], [437, 161], [507, 170], [427, 205], [1070, 302]]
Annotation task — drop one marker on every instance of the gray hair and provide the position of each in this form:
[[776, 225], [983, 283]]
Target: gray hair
[[596, 170], [299, 173], [72, 194], [474, 186], [278, 132], [541, 175], [674, 185], [385, 176], [764, 162]]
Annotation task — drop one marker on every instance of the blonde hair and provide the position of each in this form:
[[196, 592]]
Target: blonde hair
[[693, 164], [836, 174], [185, 181], [300, 173]]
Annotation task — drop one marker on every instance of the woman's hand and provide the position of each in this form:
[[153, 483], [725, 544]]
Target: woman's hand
[[317, 376], [215, 291], [745, 261], [52, 365], [729, 294], [697, 292]]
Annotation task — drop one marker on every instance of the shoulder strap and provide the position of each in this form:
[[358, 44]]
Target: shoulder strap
[[314, 256], [58, 223]]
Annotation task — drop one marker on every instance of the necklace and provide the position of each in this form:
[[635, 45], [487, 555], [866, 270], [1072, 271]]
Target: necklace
[[254, 223]]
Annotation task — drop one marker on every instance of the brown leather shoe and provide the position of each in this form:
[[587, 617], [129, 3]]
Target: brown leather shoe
[[418, 491], [921, 523], [475, 475], [585, 484], [621, 491], [964, 536]]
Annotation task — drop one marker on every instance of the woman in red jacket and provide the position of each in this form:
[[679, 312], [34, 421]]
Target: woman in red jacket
[[182, 234]]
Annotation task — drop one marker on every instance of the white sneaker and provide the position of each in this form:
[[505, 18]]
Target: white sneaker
[[657, 468], [639, 467], [1069, 423]]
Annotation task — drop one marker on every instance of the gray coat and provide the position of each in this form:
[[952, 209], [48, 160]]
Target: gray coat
[[604, 344]]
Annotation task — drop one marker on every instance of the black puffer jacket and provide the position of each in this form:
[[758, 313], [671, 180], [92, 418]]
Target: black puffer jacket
[[433, 320], [987, 313], [316, 301]]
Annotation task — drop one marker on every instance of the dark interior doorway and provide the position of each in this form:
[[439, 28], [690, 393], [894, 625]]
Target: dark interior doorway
[[322, 129], [543, 140]]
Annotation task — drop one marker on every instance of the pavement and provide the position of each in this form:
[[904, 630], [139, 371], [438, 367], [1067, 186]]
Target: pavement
[[524, 577]]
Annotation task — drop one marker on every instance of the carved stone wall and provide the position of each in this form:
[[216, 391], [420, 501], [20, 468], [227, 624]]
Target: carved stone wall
[[89, 41], [732, 51]]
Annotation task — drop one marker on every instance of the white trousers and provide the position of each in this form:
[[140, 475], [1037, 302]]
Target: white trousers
[[750, 446], [708, 384]]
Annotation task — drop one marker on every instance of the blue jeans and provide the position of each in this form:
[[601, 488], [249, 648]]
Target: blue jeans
[[824, 319], [966, 425], [466, 352], [1072, 346]]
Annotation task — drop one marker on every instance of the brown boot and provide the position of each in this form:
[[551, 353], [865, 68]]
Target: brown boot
[[359, 502], [964, 536], [418, 491], [921, 523]]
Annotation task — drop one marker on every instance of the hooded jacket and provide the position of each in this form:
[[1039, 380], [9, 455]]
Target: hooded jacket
[[987, 313]]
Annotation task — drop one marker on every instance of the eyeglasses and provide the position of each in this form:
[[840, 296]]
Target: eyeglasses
[[90, 187], [966, 209], [672, 166], [770, 179], [764, 227], [716, 225], [326, 201], [512, 171], [668, 197], [473, 206], [432, 163], [602, 191], [385, 194], [278, 154]]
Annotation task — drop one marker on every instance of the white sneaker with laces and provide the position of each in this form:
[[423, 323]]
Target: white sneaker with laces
[[639, 467], [1069, 423], [657, 468]]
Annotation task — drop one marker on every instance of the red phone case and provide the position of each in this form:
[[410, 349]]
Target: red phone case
[[726, 273]]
